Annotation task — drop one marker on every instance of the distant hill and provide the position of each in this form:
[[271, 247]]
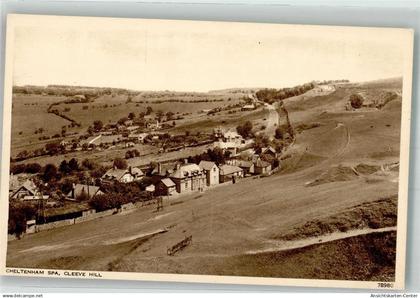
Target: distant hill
[[383, 83]]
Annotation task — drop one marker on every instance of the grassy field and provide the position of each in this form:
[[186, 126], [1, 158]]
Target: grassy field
[[106, 108], [232, 225], [29, 113]]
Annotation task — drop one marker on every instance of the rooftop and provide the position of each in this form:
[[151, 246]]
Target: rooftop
[[228, 169], [168, 182], [187, 170], [206, 165]]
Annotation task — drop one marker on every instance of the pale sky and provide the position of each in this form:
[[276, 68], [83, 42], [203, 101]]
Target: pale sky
[[198, 56]]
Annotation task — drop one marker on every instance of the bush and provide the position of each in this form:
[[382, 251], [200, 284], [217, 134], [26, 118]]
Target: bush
[[356, 101]]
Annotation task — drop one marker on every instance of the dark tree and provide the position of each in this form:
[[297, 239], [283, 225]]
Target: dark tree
[[278, 133], [149, 110], [64, 167], [73, 165], [97, 125], [19, 214], [245, 130], [50, 172], [169, 115], [131, 116], [31, 168], [120, 163], [53, 148], [88, 164], [356, 101]]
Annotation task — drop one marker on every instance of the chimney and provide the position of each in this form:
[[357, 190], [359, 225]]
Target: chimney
[[159, 167], [178, 166], [185, 160], [129, 169], [72, 190]]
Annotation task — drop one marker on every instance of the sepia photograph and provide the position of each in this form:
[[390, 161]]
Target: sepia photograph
[[204, 151]]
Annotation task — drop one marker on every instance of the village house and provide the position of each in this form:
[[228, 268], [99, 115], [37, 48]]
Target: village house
[[28, 191], [128, 123], [229, 141], [64, 143], [231, 147], [230, 173], [232, 136], [137, 173], [151, 188], [248, 107], [188, 178], [137, 137], [211, 171], [132, 128], [108, 132], [153, 125], [269, 151], [123, 176], [84, 191], [165, 187], [246, 165], [129, 144], [262, 167]]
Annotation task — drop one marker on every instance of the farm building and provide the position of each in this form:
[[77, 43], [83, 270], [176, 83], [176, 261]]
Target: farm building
[[83, 191], [211, 170], [262, 167], [165, 187], [188, 177], [230, 173]]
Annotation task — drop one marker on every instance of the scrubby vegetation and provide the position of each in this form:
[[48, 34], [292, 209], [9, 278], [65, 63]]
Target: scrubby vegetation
[[272, 95]]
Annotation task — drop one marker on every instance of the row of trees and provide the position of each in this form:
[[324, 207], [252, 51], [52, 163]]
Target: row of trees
[[272, 95]]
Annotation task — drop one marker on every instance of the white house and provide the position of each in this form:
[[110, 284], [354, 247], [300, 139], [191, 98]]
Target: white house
[[117, 175], [211, 170]]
